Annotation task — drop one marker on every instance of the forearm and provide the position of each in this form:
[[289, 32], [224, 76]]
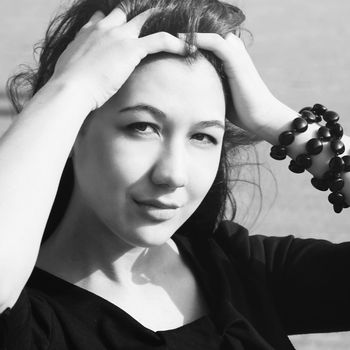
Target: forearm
[[33, 153], [281, 119]]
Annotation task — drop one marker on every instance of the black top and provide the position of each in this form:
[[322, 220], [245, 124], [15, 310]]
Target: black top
[[259, 289]]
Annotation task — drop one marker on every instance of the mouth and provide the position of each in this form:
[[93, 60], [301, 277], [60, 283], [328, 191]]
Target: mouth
[[157, 204], [155, 210]]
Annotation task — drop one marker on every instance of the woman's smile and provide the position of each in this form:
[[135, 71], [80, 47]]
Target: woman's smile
[[156, 210]]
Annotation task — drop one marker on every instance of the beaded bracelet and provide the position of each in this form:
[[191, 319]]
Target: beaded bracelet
[[314, 146], [299, 125], [331, 132]]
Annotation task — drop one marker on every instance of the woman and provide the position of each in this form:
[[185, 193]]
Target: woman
[[140, 97]]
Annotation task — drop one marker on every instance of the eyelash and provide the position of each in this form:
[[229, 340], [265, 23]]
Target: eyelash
[[135, 128], [210, 138]]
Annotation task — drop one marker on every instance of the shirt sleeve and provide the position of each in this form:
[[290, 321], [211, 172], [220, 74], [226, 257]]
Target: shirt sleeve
[[26, 325], [308, 278]]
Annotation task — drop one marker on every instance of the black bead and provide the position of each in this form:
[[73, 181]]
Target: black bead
[[319, 184], [314, 146], [336, 130], [324, 133], [331, 117], [286, 138], [303, 161], [305, 109], [300, 125], [336, 198], [337, 184], [278, 152], [329, 176], [308, 116], [338, 208], [337, 146], [295, 168], [346, 160], [319, 109], [318, 119], [336, 164]]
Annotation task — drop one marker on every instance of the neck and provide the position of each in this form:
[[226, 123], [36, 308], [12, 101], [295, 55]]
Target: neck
[[83, 248]]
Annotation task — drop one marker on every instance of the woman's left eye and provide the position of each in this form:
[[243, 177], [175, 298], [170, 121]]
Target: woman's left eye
[[142, 128], [205, 138]]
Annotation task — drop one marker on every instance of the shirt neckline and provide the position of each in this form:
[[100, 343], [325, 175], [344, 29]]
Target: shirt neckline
[[57, 286]]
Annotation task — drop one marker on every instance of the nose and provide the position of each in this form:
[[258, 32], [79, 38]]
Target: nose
[[170, 169]]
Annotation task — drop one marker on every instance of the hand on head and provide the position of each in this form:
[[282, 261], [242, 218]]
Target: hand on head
[[106, 51], [253, 102]]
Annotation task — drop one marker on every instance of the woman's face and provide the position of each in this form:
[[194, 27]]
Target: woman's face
[[148, 157]]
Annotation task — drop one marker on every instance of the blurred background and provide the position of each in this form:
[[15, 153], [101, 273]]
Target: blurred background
[[301, 49]]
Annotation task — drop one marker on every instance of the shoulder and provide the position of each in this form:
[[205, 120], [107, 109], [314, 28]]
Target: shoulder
[[236, 240], [30, 300], [29, 320]]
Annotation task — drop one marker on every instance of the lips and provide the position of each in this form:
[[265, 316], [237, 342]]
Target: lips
[[155, 210], [157, 204]]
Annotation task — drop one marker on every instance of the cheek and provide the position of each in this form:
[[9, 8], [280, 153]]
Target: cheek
[[129, 162], [203, 171]]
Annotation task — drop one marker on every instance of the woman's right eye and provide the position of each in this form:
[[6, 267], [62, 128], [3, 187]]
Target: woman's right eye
[[142, 128]]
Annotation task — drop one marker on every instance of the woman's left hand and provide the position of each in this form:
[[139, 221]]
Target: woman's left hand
[[258, 111]]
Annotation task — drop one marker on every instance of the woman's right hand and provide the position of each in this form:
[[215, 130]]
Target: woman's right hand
[[106, 51]]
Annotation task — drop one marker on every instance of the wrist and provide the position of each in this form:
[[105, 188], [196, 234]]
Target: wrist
[[73, 93], [56, 106], [278, 119], [315, 142]]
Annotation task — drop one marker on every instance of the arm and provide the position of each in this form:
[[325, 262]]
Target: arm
[[305, 279], [33, 153], [34, 150], [311, 289], [258, 111]]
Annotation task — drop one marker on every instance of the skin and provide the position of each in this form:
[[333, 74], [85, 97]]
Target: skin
[[106, 243], [117, 161]]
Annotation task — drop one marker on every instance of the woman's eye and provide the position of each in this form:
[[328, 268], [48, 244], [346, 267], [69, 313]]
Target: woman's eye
[[142, 128], [204, 138]]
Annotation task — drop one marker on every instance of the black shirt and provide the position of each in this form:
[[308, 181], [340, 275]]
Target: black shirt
[[259, 290]]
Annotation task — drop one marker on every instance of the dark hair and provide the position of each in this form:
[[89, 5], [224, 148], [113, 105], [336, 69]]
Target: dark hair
[[172, 16]]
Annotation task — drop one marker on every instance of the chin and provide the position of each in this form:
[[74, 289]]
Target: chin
[[150, 235]]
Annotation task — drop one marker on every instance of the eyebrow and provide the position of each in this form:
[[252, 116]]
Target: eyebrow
[[161, 115]]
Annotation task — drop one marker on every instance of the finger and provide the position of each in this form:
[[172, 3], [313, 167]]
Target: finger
[[212, 42], [163, 42], [96, 17], [116, 17], [136, 23]]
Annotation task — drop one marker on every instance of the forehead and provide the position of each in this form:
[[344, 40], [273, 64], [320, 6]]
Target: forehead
[[176, 87]]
